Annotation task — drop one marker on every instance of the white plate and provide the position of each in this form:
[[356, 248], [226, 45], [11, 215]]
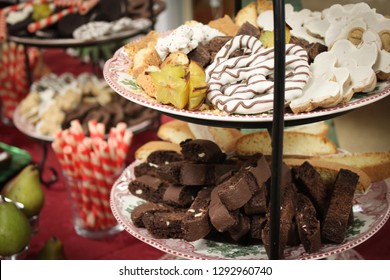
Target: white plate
[[115, 72], [371, 211], [30, 130]]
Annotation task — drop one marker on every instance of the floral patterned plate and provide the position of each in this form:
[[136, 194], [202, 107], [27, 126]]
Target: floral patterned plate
[[116, 75], [30, 130], [371, 211]]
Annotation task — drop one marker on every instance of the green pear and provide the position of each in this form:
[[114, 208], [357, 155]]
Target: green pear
[[15, 229], [26, 189], [52, 250]]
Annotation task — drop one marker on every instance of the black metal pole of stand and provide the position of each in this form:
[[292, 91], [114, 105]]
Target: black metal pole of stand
[[277, 127]]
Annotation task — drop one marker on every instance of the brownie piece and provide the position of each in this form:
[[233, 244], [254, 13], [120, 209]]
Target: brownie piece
[[200, 55], [164, 224], [148, 207], [336, 220], [310, 183], [179, 196], [248, 29], [202, 151], [220, 217], [148, 188], [196, 223], [312, 49], [215, 44], [308, 225]]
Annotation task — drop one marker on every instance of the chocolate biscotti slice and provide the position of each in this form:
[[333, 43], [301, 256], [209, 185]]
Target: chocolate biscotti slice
[[220, 217], [308, 225], [148, 187], [196, 223], [201, 150], [179, 196], [310, 183], [335, 223], [147, 207], [165, 224]]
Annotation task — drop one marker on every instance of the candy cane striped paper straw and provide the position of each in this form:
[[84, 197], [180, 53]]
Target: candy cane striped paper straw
[[54, 18], [87, 5]]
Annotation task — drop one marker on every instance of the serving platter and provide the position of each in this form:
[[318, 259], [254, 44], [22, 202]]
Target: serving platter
[[371, 211], [116, 74], [73, 42], [30, 130]]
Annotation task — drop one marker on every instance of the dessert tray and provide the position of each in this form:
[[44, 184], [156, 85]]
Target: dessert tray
[[73, 42], [371, 211], [31, 131], [115, 72]]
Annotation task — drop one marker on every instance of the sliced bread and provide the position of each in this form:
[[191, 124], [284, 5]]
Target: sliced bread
[[295, 144], [375, 164], [175, 131]]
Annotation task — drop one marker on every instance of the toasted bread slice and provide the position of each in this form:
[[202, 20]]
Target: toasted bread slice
[[375, 164], [318, 128], [144, 151], [329, 170], [295, 144], [175, 131], [224, 137]]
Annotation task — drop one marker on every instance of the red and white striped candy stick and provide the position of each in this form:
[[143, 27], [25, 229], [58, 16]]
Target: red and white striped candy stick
[[96, 130], [67, 3], [89, 186], [104, 194], [54, 18], [87, 5], [77, 130]]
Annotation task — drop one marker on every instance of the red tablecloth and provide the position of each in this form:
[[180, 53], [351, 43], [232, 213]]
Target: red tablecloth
[[55, 218]]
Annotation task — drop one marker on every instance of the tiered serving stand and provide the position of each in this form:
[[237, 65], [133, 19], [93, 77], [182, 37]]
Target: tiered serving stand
[[63, 43], [122, 202]]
